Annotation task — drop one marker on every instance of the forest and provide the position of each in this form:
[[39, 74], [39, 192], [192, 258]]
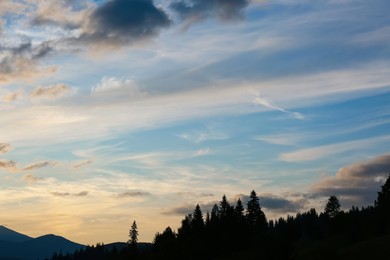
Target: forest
[[243, 232]]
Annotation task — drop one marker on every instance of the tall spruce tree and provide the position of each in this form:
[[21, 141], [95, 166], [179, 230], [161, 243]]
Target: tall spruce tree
[[223, 207], [332, 207], [254, 215], [133, 235]]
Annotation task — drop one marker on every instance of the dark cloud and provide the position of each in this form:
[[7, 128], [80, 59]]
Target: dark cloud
[[133, 194], [189, 208], [278, 204], [4, 148], [119, 22], [356, 184], [38, 165], [195, 10]]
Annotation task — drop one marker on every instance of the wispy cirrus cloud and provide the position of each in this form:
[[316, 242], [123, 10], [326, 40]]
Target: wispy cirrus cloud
[[52, 91], [66, 194], [133, 193], [196, 10], [38, 165], [82, 163], [266, 103], [315, 153]]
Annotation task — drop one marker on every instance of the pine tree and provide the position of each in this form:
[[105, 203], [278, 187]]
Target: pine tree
[[223, 207], [255, 216], [332, 208], [239, 209], [197, 222], [133, 234]]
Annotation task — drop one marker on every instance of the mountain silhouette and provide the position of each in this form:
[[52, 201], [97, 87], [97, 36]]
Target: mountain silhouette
[[9, 235], [16, 246]]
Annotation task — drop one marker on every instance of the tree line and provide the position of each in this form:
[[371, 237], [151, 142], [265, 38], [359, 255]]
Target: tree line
[[238, 231]]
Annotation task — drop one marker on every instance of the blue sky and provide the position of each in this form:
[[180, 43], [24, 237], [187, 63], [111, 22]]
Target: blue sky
[[114, 111]]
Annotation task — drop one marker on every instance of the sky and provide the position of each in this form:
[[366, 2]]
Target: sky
[[119, 110]]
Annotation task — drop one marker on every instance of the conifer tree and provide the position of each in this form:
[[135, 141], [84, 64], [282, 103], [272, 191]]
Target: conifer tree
[[133, 234], [332, 207], [255, 216], [223, 207], [197, 222]]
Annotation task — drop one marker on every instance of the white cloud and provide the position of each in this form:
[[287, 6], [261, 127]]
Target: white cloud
[[202, 152], [315, 153], [266, 103]]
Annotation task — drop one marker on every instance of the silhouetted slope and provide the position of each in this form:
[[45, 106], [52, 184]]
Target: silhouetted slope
[[9, 235], [45, 246], [22, 247]]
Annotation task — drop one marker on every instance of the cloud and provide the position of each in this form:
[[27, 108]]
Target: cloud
[[5, 148], [81, 194], [278, 204], [38, 165], [83, 163], [357, 183], [21, 62], [263, 102], [189, 208], [133, 194], [315, 153], [202, 152], [60, 194], [196, 10], [10, 97], [63, 14], [8, 165], [120, 22], [11, 7], [66, 194], [53, 91], [281, 139], [111, 86], [29, 178]]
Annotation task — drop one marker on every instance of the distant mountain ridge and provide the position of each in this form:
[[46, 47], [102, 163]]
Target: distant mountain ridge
[[9, 235], [17, 246]]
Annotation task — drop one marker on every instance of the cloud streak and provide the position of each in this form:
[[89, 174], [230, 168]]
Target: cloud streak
[[38, 165], [192, 11], [52, 92], [319, 152], [5, 148]]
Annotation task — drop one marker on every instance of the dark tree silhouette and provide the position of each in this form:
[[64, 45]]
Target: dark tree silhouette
[[383, 200], [332, 207], [133, 235], [382, 203], [197, 222], [223, 207], [239, 210], [254, 215]]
